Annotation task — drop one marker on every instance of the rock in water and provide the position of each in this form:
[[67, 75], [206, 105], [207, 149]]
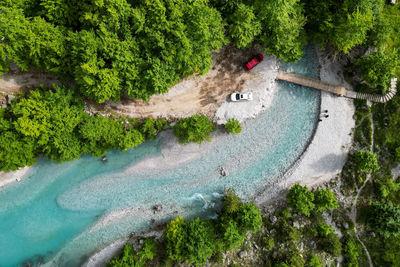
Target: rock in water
[[158, 208], [104, 159], [223, 172]]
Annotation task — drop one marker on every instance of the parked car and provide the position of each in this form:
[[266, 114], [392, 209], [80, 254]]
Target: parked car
[[254, 62], [241, 96]]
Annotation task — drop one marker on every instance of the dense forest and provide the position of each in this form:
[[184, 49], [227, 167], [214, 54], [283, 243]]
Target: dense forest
[[105, 49]]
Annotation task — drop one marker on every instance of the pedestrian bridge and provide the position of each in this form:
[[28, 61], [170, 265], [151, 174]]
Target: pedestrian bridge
[[335, 88]]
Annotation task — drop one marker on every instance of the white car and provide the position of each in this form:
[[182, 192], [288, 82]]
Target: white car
[[241, 96]]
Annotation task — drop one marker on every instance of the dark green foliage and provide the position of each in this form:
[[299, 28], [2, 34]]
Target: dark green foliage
[[345, 23], [351, 252], [151, 127], [194, 129], [200, 244], [114, 46], [195, 241], [282, 23], [384, 218], [233, 126], [232, 202], [313, 261], [55, 125], [377, 69], [129, 257], [300, 199], [249, 217], [174, 238], [324, 200], [231, 235], [331, 244], [366, 162]]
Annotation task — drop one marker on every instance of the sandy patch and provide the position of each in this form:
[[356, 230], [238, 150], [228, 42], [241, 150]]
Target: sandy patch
[[207, 93], [7, 178], [325, 156]]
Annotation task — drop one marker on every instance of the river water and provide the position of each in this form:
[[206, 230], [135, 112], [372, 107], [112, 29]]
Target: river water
[[49, 217]]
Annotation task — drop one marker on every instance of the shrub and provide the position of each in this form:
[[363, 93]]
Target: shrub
[[174, 239], [232, 202], [314, 261], [194, 129], [200, 241], [331, 244], [249, 217], [300, 199], [148, 250], [384, 218], [366, 162], [325, 200], [351, 252], [231, 235], [233, 126]]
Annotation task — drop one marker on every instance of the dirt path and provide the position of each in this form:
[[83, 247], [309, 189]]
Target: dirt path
[[353, 214], [12, 83], [192, 95]]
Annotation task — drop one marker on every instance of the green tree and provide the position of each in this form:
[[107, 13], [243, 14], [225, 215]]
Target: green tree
[[233, 126], [331, 244], [300, 199], [366, 162], [127, 258], [200, 241], [232, 202], [243, 26], [174, 238], [313, 261], [378, 68], [324, 200], [148, 250], [384, 218], [283, 32], [351, 251], [194, 129], [231, 234], [249, 217]]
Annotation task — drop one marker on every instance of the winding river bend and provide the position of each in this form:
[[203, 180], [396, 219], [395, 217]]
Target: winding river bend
[[53, 216]]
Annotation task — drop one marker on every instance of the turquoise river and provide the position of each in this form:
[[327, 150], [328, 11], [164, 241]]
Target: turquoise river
[[52, 216]]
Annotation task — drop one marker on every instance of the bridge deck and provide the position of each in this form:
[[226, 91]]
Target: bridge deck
[[336, 89], [312, 83]]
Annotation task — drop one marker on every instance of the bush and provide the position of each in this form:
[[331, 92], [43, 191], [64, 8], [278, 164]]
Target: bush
[[324, 200], [200, 241], [300, 199], [314, 261], [249, 217], [384, 218], [366, 162], [233, 126], [231, 235], [331, 244], [351, 252], [194, 129], [175, 238], [232, 202], [130, 258]]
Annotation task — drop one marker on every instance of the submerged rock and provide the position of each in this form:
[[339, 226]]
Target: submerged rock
[[158, 208]]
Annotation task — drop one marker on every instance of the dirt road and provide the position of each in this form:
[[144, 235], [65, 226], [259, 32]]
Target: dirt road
[[192, 95]]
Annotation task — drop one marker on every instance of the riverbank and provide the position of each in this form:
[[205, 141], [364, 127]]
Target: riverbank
[[324, 158], [7, 178], [208, 94]]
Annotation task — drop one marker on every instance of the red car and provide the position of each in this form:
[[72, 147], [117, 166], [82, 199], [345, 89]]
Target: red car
[[254, 62]]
